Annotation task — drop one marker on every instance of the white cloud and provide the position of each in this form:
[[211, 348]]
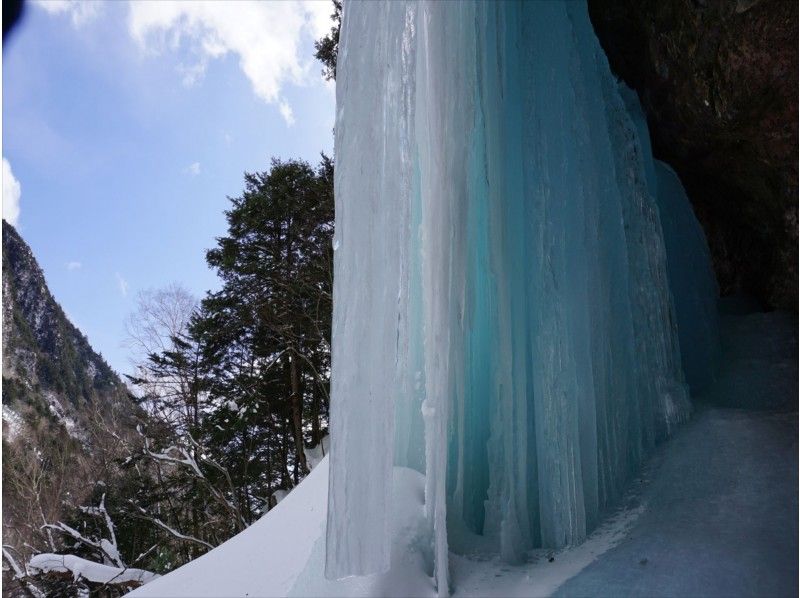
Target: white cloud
[[122, 284], [11, 194], [193, 73], [265, 36], [286, 112], [74, 265], [319, 16], [193, 169], [79, 11]]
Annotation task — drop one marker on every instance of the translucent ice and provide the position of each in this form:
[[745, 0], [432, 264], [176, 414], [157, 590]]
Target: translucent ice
[[692, 280], [503, 320], [691, 275]]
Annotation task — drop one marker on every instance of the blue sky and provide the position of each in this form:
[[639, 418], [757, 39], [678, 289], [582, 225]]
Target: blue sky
[[127, 125]]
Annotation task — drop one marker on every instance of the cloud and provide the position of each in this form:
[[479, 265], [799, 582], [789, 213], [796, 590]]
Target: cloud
[[74, 265], [193, 169], [79, 11], [193, 73], [265, 37], [122, 284], [11, 194], [286, 112]]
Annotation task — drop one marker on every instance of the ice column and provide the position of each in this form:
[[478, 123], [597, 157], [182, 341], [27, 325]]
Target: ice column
[[692, 280], [691, 274], [503, 320], [369, 290]]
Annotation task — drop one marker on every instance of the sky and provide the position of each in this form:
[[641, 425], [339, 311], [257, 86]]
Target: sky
[[127, 125]]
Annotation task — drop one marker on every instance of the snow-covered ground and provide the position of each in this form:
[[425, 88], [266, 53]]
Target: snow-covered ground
[[714, 512], [721, 517]]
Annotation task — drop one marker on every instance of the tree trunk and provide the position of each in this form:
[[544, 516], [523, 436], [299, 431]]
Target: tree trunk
[[285, 479], [297, 416], [316, 435]]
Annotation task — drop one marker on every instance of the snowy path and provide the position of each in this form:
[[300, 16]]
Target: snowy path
[[721, 517], [722, 504]]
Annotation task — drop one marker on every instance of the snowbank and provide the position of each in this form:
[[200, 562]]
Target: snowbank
[[263, 560]]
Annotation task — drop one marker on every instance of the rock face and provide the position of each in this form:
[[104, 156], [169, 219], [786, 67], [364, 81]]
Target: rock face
[[718, 80]]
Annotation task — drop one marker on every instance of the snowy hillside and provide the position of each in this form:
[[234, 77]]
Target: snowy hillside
[[265, 559]]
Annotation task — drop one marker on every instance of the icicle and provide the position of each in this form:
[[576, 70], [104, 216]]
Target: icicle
[[371, 229]]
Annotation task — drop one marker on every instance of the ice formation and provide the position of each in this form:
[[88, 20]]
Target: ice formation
[[503, 320], [692, 281], [691, 276]]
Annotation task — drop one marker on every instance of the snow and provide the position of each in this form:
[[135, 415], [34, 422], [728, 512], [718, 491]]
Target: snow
[[263, 560], [406, 575], [283, 554], [58, 411], [279, 495], [315, 454], [543, 576], [88, 570], [721, 518], [722, 499], [12, 422]]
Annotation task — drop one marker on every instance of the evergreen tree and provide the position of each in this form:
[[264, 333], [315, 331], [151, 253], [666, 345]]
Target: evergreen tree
[[327, 48], [237, 387], [266, 333]]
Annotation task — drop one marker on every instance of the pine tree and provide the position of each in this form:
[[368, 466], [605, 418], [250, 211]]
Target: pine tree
[[327, 48], [266, 333]]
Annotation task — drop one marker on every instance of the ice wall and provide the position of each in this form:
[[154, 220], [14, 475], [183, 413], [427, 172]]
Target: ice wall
[[691, 274], [502, 316], [692, 280]]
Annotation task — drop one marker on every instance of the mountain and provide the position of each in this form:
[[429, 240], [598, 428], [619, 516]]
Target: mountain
[[66, 413], [48, 364]]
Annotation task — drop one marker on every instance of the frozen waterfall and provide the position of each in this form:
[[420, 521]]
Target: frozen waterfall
[[503, 319]]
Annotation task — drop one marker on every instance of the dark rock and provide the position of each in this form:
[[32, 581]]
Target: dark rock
[[718, 81]]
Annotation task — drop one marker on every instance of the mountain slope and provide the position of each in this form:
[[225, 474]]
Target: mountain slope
[[65, 411], [45, 357]]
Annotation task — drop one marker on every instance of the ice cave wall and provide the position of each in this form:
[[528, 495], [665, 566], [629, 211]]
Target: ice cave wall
[[503, 319]]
